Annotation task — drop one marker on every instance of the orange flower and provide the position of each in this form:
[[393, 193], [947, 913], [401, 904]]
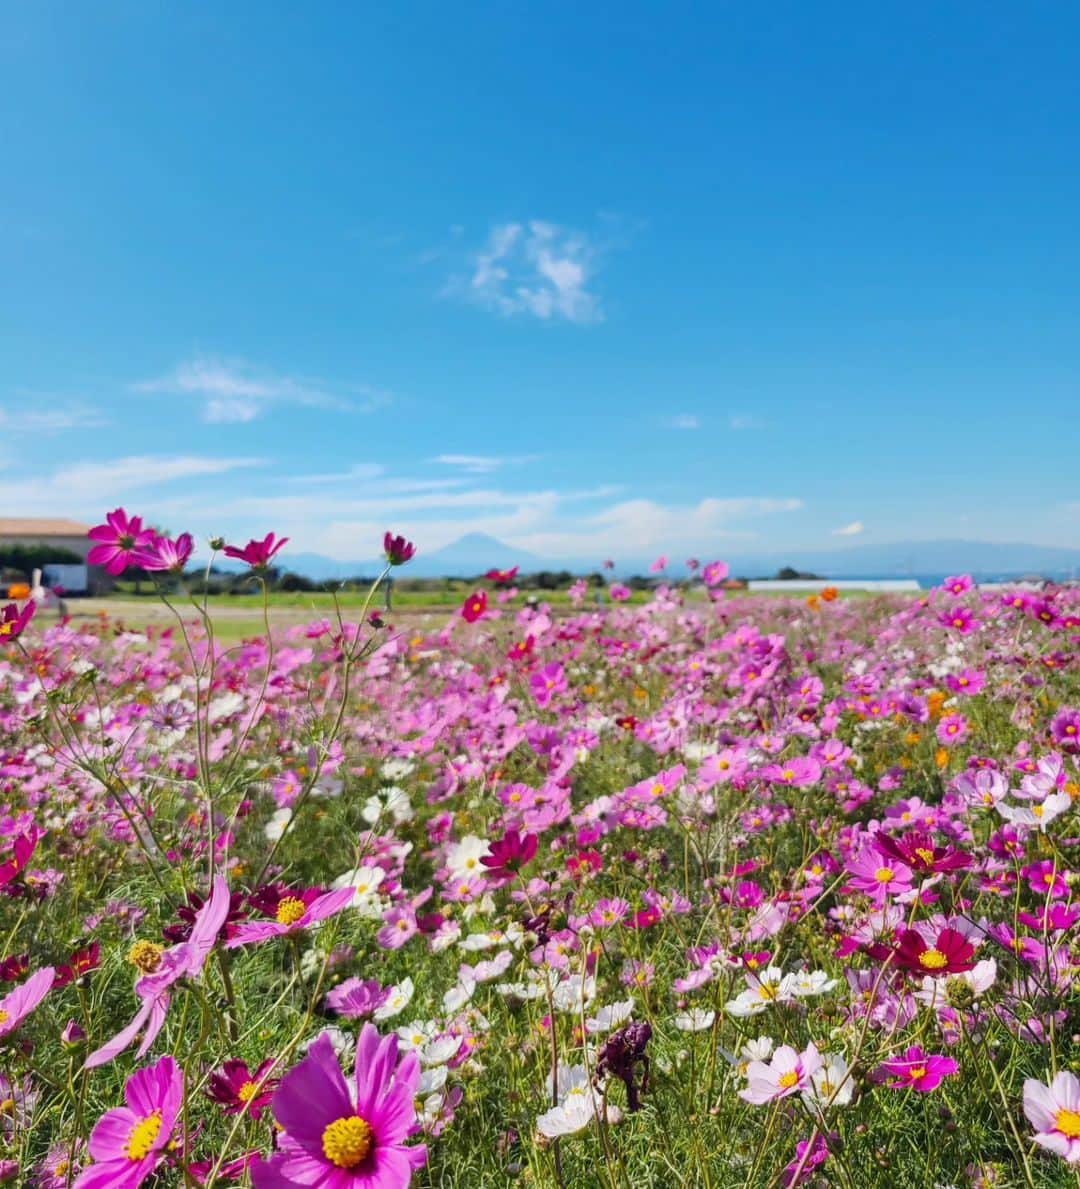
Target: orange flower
[[830, 593]]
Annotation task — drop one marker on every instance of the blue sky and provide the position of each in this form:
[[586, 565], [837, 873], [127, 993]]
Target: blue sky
[[592, 278]]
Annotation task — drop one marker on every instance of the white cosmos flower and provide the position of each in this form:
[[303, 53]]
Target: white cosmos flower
[[398, 1000], [431, 1081], [396, 769], [1038, 816], [831, 1084], [365, 881], [694, 1020], [612, 1015], [811, 982], [578, 1100], [463, 858], [573, 993], [438, 1052], [275, 827], [458, 995], [417, 1034]]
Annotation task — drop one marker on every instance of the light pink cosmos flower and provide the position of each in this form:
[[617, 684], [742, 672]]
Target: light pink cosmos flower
[[787, 1073], [799, 772], [399, 927], [163, 554], [1054, 1112], [714, 573], [659, 565], [128, 1142], [18, 1004], [877, 875], [292, 916], [185, 960]]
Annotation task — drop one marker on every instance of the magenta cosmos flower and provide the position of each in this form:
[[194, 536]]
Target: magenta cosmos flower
[[338, 1136], [127, 1143], [916, 1070], [163, 554], [292, 915], [397, 550], [508, 855], [13, 621], [917, 850], [118, 539], [161, 969], [474, 606], [1054, 1112], [548, 683], [257, 554], [714, 573], [18, 1004]]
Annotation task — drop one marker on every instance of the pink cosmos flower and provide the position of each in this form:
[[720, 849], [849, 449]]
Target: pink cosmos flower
[[951, 953], [118, 539], [916, 849], [1065, 729], [18, 1004], [959, 619], [163, 554], [399, 927], [235, 1088], [619, 592], [548, 683], [715, 572], [952, 729], [659, 565], [337, 1136], [292, 915], [23, 848], [162, 969], [13, 621], [799, 772], [128, 1142], [916, 1070], [355, 999], [257, 554], [787, 1073], [959, 585], [877, 876], [1054, 1112]]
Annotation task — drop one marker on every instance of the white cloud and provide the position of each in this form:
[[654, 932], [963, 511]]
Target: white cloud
[[234, 391], [683, 421], [535, 268], [741, 421], [849, 530], [88, 489], [481, 464], [56, 419]]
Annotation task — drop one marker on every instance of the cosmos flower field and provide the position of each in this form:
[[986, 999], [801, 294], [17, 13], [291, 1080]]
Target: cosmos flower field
[[710, 891]]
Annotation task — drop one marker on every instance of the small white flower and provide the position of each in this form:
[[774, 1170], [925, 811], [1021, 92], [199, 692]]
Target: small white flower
[[399, 999], [611, 1016], [275, 827], [458, 995], [694, 1020], [831, 1084]]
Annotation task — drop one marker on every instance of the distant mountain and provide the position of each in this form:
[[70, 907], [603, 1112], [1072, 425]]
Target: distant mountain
[[929, 561]]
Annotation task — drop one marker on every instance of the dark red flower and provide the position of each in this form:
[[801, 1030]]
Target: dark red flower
[[257, 554], [397, 550], [522, 650], [622, 1051], [81, 962], [12, 969], [502, 577], [234, 1086], [508, 855], [175, 934], [474, 606], [269, 899], [951, 953], [918, 851]]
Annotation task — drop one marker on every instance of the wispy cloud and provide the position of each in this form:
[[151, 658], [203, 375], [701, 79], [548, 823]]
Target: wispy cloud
[[534, 268], [481, 464], [87, 489], [57, 419], [739, 421], [235, 391], [849, 530], [683, 421]]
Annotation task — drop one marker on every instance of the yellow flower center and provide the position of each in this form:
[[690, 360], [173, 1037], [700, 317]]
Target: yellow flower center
[[60, 1168], [1068, 1123], [918, 1073], [289, 911], [146, 955], [787, 1080], [247, 1091], [657, 790], [143, 1136], [925, 854], [347, 1141], [884, 874], [3, 1017], [766, 991], [7, 1107], [933, 959]]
